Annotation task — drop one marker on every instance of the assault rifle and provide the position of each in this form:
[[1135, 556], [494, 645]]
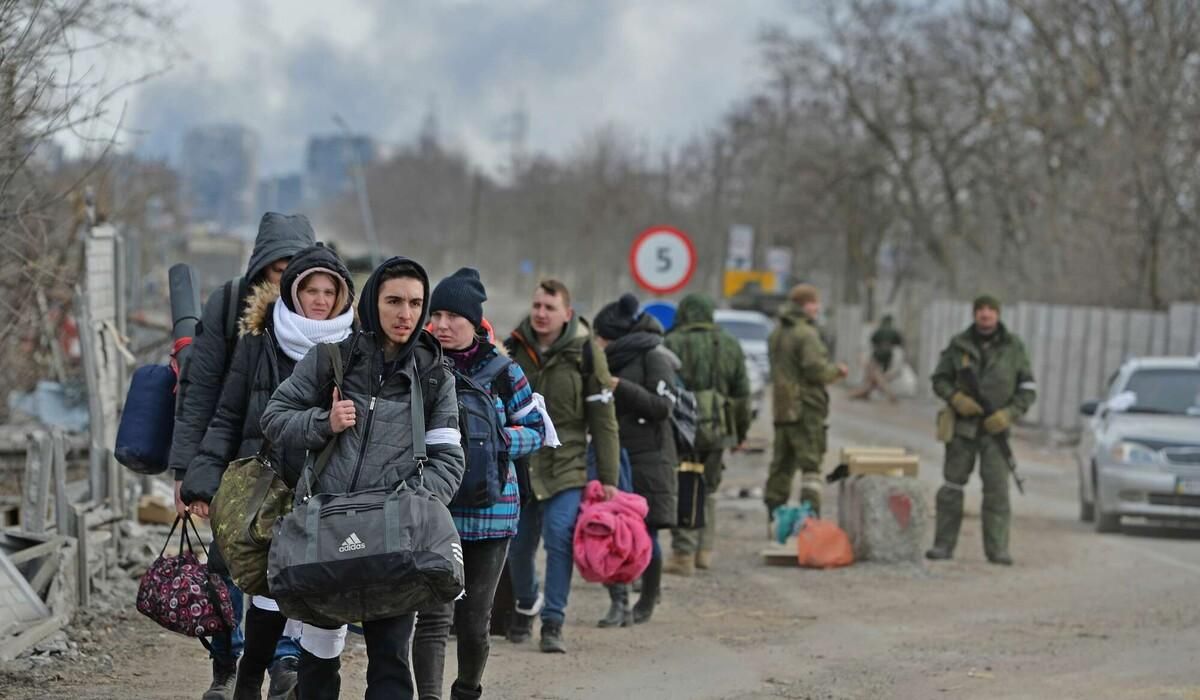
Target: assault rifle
[[969, 381]]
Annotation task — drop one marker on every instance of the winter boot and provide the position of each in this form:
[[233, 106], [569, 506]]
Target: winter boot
[[552, 639], [680, 564], [521, 628], [938, 553], [619, 614], [651, 590], [223, 679], [1003, 559], [248, 685], [704, 559], [283, 679]]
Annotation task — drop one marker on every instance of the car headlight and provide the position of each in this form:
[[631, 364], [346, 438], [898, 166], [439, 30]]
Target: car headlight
[[1137, 454]]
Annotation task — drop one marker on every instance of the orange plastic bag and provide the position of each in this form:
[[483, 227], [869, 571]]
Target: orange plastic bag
[[823, 545]]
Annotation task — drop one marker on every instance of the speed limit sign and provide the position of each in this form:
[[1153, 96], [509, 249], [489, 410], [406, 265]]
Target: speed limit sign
[[662, 259]]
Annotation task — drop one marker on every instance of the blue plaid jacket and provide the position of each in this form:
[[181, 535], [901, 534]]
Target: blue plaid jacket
[[524, 436]]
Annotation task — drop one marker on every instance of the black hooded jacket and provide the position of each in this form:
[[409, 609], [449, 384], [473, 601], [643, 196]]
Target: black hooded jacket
[[644, 404], [378, 451], [256, 370], [201, 377]]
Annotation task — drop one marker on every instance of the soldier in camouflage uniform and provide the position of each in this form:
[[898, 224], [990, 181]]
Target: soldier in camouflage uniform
[[712, 360], [800, 372], [1006, 384]]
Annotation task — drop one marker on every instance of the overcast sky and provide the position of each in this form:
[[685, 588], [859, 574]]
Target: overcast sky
[[664, 69]]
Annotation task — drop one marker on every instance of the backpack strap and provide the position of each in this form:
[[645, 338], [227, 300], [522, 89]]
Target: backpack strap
[[311, 476], [416, 396], [587, 363], [492, 370]]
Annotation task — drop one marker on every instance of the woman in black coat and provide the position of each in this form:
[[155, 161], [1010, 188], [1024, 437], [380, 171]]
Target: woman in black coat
[[313, 304], [643, 384]]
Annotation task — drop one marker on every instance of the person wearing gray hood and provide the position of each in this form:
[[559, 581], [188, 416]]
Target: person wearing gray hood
[[371, 416], [280, 237]]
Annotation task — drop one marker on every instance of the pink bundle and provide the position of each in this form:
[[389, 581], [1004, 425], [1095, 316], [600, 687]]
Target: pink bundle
[[612, 544]]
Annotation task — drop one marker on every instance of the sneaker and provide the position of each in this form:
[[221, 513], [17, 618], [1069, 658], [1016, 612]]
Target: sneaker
[[552, 640], [283, 679], [224, 679]]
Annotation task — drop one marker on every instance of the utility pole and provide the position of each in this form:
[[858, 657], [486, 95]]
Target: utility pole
[[364, 204]]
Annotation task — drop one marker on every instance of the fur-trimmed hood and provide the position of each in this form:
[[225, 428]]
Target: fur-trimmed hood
[[256, 317]]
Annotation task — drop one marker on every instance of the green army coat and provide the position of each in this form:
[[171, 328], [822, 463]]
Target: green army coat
[[579, 404], [1002, 367], [800, 368], [712, 359]]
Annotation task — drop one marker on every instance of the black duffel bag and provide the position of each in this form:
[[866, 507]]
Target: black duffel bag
[[370, 555]]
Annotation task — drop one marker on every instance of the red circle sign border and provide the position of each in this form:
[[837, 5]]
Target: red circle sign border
[[641, 238]]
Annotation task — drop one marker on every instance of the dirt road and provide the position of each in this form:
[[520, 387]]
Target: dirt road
[[1080, 615]]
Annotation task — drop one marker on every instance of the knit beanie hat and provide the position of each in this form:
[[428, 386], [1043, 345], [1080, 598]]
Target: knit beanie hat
[[987, 300], [617, 318], [461, 293], [801, 294]]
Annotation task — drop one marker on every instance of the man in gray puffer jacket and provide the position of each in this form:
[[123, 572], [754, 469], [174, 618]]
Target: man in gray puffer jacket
[[372, 420]]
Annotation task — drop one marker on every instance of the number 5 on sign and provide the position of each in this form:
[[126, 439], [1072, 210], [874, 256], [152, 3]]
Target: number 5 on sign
[[662, 259]]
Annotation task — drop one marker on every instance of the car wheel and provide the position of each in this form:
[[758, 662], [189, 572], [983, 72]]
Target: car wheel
[[1105, 523]]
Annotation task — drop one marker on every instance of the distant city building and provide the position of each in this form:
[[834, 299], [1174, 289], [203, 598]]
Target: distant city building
[[48, 155], [220, 174], [330, 164], [283, 193]]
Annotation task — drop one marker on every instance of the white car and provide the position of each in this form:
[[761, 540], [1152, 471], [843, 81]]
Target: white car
[[751, 328], [1139, 455]]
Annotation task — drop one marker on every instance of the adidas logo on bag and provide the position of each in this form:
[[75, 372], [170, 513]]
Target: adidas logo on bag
[[352, 543], [456, 548]]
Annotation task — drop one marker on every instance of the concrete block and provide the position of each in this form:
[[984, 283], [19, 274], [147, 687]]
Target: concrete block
[[885, 517]]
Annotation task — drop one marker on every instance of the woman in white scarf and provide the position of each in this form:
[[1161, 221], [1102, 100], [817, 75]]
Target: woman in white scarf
[[313, 304]]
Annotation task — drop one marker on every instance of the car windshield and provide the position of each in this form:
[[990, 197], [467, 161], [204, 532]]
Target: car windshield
[[745, 330], [1169, 391]]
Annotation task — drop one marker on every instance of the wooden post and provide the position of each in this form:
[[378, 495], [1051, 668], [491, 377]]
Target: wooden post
[[36, 493]]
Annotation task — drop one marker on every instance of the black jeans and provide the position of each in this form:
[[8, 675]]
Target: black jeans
[[263, 630], [389, 676], [483, 561]]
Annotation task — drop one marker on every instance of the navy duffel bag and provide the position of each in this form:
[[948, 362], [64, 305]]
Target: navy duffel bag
[[144, 436]]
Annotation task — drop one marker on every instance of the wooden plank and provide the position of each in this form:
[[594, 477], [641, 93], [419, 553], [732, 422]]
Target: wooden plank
[[62, 514], [847, 453], [29, 637], [37, 551], [83, 575], [40, 582], [888, 465]]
